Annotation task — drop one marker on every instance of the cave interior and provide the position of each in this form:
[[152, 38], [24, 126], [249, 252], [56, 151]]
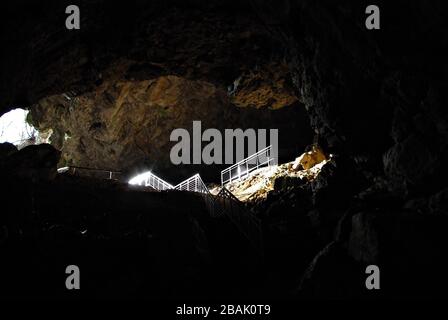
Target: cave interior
[[369, 103]]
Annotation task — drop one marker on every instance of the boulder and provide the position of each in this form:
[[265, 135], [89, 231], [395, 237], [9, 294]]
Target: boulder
[[309, 159], [34, 161], [411, 162]]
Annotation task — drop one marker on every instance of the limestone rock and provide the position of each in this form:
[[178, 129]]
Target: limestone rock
[[265, 87], [125, 124], [309, 159]]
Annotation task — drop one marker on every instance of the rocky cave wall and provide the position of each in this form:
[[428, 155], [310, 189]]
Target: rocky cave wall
[[371, 95], [113, 92], [375, 96], [127, 124], [376, 99]]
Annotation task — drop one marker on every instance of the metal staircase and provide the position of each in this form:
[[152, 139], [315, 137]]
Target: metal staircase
[[148, 179], [242, 169], [224, 203]]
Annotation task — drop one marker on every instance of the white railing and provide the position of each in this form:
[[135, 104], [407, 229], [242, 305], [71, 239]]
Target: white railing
[[241, 169], [194, 184], [224, 203], [148, 179]]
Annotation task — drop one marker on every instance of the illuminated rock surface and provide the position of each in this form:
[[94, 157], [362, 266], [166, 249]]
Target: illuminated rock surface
[[256, 187]]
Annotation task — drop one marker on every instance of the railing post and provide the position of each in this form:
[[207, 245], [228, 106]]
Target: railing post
[[268, 153]]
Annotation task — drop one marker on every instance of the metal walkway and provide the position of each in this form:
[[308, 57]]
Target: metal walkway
[[148, 179], [222, 204], [194, 184], [242, 169], [225, 203]]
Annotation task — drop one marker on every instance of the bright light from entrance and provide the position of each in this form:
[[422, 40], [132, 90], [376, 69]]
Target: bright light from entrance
[[14, 128], [140, 179]]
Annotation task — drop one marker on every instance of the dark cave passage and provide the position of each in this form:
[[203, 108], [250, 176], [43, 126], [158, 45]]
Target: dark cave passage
[[131, 242]]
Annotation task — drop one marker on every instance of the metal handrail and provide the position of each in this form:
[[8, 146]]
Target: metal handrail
[[75, 168], [194, 184], [248, 224], [148, 179], [224, 203], [246, 165]]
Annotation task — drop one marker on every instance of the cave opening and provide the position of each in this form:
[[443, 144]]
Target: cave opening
[[15, 129]]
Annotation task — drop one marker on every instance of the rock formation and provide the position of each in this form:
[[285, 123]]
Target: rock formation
[[123, 125]]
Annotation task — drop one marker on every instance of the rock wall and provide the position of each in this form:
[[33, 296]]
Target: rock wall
[[127, 125], [112, 92], [376, 100], [375, 96]]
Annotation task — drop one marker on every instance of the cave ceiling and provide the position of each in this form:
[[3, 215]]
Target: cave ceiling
[[111, 93]]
